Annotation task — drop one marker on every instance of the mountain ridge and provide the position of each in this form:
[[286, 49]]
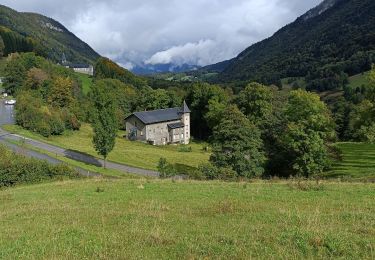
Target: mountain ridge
[[53, 38], [340, 39]]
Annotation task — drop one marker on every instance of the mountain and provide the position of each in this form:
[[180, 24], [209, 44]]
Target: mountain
[[146, 69], [334, 38], [42, 35]]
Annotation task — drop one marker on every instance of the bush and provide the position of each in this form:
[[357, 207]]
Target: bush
[[185, 149], [71, 121], [43, 128], [16, 169], [166, 169], [209, 171], [56, 124]]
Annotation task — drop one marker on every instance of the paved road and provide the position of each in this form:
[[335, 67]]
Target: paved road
[[6, 117], [36, 155]]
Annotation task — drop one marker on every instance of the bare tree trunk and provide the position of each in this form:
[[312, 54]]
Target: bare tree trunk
[[105, 162]]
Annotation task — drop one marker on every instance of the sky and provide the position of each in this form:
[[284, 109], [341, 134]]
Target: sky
[[194, 32]]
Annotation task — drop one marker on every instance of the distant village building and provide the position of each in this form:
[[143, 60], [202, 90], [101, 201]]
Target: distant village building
[[80, 68], [160, 127]]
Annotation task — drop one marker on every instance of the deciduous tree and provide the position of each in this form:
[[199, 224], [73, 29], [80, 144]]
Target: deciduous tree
[[309, 127], [237, 144], [104, 121]]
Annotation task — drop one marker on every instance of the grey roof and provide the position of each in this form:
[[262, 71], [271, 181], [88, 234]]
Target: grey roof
[[176, 125], [185, 108], [161, 115]]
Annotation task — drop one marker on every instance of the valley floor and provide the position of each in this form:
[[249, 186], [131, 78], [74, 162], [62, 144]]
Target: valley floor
[[155, 219]]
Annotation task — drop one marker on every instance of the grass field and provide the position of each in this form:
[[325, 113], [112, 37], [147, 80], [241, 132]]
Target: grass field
[[358, 80], [86, 82], [135, 154], [358, 161], [153, 219]]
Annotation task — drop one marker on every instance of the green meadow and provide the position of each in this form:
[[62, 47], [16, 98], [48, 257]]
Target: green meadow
[[357, 161], [154, 219], [135, 154]]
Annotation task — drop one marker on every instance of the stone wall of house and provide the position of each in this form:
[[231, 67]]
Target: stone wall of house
[[159, 133], [134, 122], [88, 71], [186, 130]]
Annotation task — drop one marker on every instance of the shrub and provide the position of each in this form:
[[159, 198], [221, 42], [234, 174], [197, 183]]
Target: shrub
[[43, 128], [16, 169], [209, 171], [56, 124], [185, 149], [165, 169]]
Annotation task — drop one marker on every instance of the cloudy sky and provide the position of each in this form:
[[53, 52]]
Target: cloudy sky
[[196, 32]]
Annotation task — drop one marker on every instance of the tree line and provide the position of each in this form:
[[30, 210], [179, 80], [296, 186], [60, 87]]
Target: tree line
[[255, 131]]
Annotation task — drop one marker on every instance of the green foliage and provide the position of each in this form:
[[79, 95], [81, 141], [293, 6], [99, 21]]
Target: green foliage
[[61, 93], [165, 169], [152, 99], [198, 98], [237, 144], [104, 121], [361, 119], [47, 95], [16, 169], [15, 75], [105, 68], [367, 133], [309, 128], [2, 46], [255, 101], [185, 149], [324, 48]]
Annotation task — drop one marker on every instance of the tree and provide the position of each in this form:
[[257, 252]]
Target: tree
[[255, 101], [2, 47], [61, 92], [35, 78], [198, 98], [371, 89], [104, 121], [15, 74], [237, 144], [309, 128]]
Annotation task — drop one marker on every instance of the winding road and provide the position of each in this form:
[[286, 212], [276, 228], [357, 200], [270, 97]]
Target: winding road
[[7, 117]]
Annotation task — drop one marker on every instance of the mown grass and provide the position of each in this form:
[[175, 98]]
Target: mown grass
[[86, 82], [357, 162], [154, 219], [135, 154]]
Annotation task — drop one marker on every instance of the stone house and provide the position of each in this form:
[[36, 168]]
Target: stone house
[[160, 127]]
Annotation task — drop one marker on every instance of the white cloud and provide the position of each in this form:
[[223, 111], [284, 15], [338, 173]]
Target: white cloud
[[169, 31]]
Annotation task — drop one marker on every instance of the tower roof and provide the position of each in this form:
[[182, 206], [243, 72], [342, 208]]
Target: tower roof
[[185, 108]]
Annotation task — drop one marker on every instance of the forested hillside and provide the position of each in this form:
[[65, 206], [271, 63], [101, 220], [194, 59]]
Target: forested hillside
[[24, 32], [330, 42]]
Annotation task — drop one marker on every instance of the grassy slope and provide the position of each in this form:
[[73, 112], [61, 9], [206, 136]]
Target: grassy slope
[[358, 80], [86, 82], [131, 153], [139, 219], [358, 161]]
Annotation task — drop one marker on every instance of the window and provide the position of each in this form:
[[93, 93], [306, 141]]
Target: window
[[182, 136], [141, 133]]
